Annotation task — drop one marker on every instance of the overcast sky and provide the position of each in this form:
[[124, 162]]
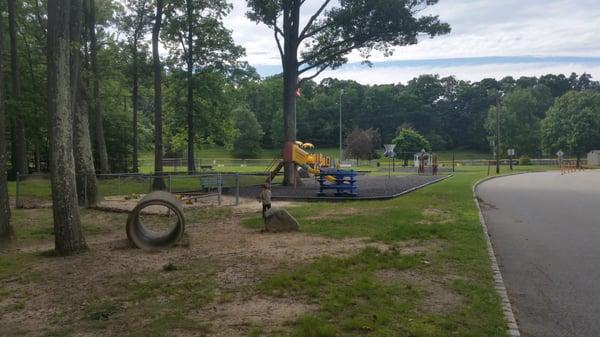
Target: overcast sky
[[490, 38]]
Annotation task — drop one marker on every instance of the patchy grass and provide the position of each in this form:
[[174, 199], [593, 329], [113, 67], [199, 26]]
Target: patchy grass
[[354, 302], [147, 304], [444, 288], [16, 267], [37, 224]]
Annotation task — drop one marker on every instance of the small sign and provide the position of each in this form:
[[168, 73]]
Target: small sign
[[389, 150], [560, 153], [511, 152]]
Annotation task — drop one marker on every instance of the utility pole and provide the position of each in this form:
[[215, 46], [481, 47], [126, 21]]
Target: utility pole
[[341, 93], [498, 134]]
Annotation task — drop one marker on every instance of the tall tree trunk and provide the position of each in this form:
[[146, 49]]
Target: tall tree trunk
[[136, 83], [158, 183], [98, 115], [6, 230], [38, 160], [190, 94], [68, 233], [135, 100], [87, 184], [20, 144], [290, 80]]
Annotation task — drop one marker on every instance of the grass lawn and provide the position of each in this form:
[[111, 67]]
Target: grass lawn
[[424, 272], [355, 300]]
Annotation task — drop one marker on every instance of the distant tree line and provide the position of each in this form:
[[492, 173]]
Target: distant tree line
[[449, 113]]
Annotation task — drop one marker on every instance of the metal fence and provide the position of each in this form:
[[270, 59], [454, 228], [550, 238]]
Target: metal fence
[[175, 165], [34, 190]]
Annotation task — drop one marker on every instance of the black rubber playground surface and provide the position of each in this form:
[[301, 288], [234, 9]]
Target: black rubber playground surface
[[369, 188]]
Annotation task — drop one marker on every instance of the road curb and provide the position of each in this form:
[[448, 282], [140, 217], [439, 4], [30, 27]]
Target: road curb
[[512, 326]]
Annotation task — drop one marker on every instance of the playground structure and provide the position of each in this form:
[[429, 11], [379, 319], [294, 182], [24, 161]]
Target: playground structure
[[424, 159], [343, 182], [319, 165]]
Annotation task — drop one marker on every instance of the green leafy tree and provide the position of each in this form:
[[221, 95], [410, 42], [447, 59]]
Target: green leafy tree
[[331, 33], [573, 124], [409, 142], [249, 134], [91, 21], [135, 24], [196, 35], [264, 99], [157, 68], [521, 111], [214, 102], [360, 144], [20, 160]]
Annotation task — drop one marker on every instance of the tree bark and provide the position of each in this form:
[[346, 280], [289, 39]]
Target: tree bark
[[6, 229], [135, 100], [88, 192], [97, 111], [136, 84], [290, 79], [20, 163], [68, 232], [158, 182], [190, 94], [87, 184]]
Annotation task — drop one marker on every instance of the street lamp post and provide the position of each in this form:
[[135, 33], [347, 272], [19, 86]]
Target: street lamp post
[[341, 93], [498, 134]]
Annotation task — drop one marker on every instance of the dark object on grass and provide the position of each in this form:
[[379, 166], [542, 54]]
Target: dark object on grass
[[169, 267], [278, 220], [146, 239]]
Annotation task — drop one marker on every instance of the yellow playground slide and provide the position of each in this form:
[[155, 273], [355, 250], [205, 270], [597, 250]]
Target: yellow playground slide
[[294, 152]]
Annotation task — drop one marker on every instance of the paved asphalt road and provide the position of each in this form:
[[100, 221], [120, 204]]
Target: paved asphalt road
[[545, 229]]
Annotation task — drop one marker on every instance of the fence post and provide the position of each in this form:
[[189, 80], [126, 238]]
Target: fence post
[[219, 187], [237, 189], [17, 198], [170, 188], [119, 187]]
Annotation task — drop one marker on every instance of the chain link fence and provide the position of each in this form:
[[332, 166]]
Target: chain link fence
[[210, 189]]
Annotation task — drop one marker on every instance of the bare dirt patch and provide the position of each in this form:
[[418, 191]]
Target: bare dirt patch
[[64, 287], [237, 317], [434, 212], [347, 212], [435, 216], [437, 297]]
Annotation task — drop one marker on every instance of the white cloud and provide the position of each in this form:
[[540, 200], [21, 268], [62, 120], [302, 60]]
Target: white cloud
[[480, 28], [400, 74]]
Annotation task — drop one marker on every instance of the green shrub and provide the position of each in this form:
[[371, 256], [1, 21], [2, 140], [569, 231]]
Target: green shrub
[[524, 160]]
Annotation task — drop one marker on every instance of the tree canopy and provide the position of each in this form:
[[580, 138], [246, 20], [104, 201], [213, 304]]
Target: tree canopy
[[572, 124], [331, 33], [410, 141], [248, 134]]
